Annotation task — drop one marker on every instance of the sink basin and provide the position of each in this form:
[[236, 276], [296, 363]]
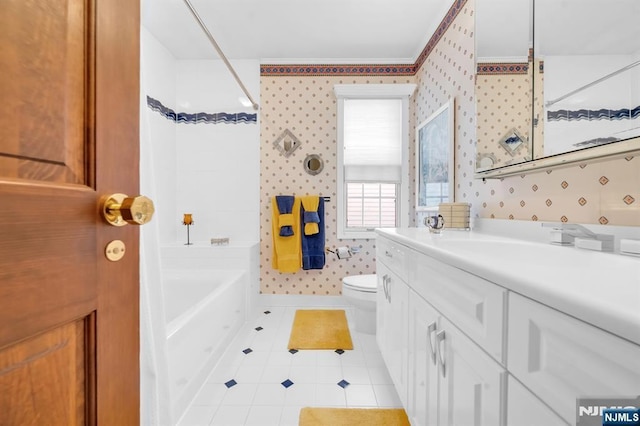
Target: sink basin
[[503, 248], [517, 252]]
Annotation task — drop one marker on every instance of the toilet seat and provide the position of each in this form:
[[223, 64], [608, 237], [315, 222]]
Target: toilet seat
[[363, 283]]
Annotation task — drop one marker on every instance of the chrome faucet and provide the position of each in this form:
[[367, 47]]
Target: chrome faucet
[[572, 234]]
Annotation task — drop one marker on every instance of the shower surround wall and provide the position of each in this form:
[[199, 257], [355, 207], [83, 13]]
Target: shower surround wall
[[194, 160], [217, 164], [159, 74], [605, 192], [206, 164]]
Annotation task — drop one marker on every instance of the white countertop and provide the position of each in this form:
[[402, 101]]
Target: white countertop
[[602, 289]]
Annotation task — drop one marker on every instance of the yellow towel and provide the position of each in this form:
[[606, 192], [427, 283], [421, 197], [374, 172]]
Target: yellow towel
[[285, 220], [310, 204], [287, 251]]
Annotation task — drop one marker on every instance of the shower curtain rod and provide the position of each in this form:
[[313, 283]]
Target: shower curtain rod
[[593, 83], [220, 53]]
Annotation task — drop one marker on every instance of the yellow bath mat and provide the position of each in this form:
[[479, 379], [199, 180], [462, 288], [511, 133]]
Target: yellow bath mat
[[353, 416], [320, 329]]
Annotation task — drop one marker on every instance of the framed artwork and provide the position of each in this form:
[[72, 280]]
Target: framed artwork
[[435, 159]]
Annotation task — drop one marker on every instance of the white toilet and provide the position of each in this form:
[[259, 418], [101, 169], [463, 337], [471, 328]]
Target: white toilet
[[360, 291]]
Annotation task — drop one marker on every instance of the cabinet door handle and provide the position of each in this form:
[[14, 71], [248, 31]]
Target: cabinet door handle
[[440, 336], [389, 289], [384, 286], [430, 329]]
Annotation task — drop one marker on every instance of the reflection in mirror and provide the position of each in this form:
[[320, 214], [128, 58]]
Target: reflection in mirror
[[589, 54], [313, 164], [503, 83]]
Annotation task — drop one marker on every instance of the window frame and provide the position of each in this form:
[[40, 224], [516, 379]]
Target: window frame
[[372, 91]]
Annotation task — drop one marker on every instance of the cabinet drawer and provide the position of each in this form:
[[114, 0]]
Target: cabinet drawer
[[474, 305], [393, 255], [561, 358]]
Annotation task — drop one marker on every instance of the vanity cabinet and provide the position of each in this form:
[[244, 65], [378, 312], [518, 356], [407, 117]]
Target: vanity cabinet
[[451, 380], [480, 352], [435, 325], [559, 357], [392, 316]]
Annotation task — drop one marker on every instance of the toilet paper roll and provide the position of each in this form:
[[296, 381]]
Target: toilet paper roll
[[343, 253]]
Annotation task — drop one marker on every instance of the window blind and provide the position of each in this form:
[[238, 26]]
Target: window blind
[[372, 140]]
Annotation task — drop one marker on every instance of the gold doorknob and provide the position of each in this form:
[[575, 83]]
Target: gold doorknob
[[120, 209]]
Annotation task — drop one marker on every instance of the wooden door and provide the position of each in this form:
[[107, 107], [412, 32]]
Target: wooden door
[[69, 341]]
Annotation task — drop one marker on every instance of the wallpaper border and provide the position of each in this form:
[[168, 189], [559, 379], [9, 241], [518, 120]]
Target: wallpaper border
[[495, 68]]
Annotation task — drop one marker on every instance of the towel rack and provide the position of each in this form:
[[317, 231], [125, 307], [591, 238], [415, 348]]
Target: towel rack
[[326, 199]]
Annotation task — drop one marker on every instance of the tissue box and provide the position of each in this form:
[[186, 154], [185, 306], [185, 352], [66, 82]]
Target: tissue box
[[456, 215]]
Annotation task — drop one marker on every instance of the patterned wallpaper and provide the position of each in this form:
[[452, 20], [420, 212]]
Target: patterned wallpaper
[[306, 105], [449, 71], [606, 192], [503, 103]]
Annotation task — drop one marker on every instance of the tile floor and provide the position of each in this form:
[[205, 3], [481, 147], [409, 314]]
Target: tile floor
[[259, 382]]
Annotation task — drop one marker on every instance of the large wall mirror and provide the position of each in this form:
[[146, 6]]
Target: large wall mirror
[[574, 96], [504, 83]]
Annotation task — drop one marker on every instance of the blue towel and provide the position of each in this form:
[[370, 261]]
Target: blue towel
[[285, 207], [313, 256], [311, 217]]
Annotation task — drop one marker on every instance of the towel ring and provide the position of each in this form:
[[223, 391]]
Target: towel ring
[[313, 164]]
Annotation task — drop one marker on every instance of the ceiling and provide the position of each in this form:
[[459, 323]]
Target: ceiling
[[297, 31], [562, 27]]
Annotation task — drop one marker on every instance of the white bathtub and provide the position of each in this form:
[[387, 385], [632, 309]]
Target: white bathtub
[[187, 291], [204, 309], [205, 306]]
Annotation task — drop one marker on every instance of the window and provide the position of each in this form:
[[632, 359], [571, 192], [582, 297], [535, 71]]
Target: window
[[372, 157], [371, 205]]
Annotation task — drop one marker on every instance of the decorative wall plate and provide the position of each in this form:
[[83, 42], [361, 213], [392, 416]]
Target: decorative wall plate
[[286, 143], [512, 141], [313, 164]]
